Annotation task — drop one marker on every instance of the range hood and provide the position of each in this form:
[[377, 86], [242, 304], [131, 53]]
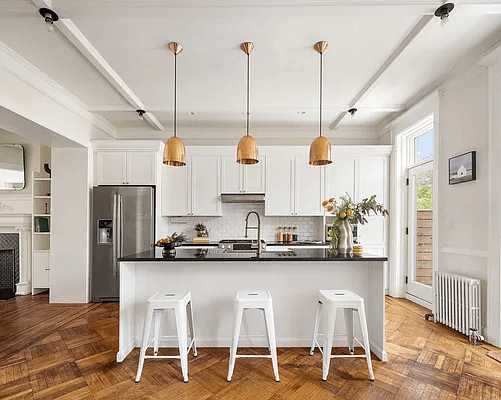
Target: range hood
[[242, 197]]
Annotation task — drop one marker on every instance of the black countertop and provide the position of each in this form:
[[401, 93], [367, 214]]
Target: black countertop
[[211, 253]]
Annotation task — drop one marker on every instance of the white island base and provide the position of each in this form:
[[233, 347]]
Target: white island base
[[294, 286]]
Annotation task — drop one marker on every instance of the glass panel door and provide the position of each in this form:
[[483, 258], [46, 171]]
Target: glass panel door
[[420, 225]]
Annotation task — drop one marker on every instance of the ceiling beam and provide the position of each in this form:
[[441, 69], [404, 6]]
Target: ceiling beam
[[73, 34], [401, 47]]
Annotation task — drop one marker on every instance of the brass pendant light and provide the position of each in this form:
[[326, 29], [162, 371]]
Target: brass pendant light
[[174, 151], [320, 149], [247, 152]]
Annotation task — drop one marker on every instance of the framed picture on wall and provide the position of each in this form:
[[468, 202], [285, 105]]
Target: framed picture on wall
[[462, 168]]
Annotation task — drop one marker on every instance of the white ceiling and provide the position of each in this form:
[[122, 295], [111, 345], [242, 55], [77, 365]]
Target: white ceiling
[[382, 56]]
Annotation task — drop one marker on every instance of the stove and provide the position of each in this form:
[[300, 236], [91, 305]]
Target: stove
[[240, 245]]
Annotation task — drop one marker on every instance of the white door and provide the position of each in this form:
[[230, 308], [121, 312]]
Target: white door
[[231, 175], [111, 168], [206, 185], [141, 167], [309, 191], [254, 176], [340, 177], [176, 190], [419, 238], [280, 185], [41, 269]]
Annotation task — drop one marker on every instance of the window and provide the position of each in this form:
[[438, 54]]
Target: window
[[423, 146]]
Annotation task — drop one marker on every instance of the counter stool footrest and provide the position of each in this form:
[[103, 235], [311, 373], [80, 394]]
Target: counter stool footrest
[[178, 357], [348, 356]]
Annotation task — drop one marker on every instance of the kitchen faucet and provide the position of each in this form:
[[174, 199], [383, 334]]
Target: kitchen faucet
[[258, 227]]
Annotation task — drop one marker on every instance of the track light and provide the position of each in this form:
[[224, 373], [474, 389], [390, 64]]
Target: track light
[[443, 12], [50, 17], [352, 112], [140, 113]]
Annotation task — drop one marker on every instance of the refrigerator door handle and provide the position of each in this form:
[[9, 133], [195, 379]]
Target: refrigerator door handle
[[121, 219], [118, 234], [115, 234]]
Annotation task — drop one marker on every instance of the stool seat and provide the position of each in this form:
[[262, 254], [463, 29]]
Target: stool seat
[[256, 299], [181, 304], [331, 301]]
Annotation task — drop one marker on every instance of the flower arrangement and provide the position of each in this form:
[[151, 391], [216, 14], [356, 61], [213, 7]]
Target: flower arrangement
[[347, 211], [201, 230]]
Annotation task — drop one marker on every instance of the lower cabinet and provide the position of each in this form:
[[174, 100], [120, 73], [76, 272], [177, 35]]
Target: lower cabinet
[[41, 269]]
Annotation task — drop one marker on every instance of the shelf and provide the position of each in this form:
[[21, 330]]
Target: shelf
[[41, 215], [41, 197], [41, 251], [41, 179], [41, 233]]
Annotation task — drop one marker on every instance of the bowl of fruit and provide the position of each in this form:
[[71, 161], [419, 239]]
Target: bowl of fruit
[[169, 243]]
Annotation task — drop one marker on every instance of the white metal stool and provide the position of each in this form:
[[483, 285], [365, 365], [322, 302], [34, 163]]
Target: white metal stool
[[349, 301], [258, 299], [157, 304]]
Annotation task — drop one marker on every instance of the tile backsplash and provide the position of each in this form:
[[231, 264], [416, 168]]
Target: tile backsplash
[[232, 224]]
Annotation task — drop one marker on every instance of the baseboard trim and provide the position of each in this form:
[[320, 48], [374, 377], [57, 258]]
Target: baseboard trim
[[419, 301]]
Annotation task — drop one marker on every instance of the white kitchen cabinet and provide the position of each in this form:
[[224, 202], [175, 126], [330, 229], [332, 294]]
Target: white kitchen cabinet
[[308, 188], [126, 168], [238, 178], [194, 189], [293, 187], [41, 269], [340, 176], [280, 186]]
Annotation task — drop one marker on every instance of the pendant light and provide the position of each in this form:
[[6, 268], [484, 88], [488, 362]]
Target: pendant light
[[247, 152], [174, 151], [320, 149]]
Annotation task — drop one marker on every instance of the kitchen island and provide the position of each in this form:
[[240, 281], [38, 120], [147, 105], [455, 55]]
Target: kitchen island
[[213, 276]]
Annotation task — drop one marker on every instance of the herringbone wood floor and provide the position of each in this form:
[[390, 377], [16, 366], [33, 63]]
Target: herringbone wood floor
[[68, 352]]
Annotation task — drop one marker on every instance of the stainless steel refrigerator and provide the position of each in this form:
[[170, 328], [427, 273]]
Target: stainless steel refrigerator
[[123, 223]]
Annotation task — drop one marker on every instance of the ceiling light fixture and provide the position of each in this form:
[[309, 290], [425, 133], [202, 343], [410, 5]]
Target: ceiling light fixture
[[247, 151], [50, 17], [320, 149], [443, 12], [140, 113], [352, 112], [174, 151]]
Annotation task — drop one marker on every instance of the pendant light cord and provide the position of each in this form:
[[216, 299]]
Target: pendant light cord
[[248, 91], [175, 94], [321, 89]]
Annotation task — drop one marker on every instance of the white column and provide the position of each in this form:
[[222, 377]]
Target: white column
[[24, 285]]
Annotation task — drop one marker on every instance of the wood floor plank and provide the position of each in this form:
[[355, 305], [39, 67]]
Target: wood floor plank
[[71, 352]]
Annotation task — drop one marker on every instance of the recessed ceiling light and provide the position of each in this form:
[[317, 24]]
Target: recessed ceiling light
[[301, 112], [190, 113]]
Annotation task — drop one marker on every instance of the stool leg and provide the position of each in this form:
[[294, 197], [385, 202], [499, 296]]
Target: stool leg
[[237, 321], [365, 335], [182, 335], [329, 326], [267, 333], [315, 329], [159, 319], [270, 324], [191, 325], [144, 345], [348, 321]]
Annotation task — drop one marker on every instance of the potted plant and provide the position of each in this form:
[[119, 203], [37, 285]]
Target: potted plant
[[201, 230], [347, 212]]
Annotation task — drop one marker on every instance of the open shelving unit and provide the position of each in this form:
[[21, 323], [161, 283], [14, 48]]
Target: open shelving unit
[[41, 231]]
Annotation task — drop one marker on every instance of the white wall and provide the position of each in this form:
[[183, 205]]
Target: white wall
[[70, 235], [464, 124]]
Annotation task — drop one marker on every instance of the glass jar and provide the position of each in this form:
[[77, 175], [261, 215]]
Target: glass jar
[[289, 234], [280, 235], [294, 234]]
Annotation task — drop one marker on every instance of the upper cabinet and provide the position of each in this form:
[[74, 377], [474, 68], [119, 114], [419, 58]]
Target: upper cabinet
[[194, 189], [237, 178], [293, 187], [126, 162]]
